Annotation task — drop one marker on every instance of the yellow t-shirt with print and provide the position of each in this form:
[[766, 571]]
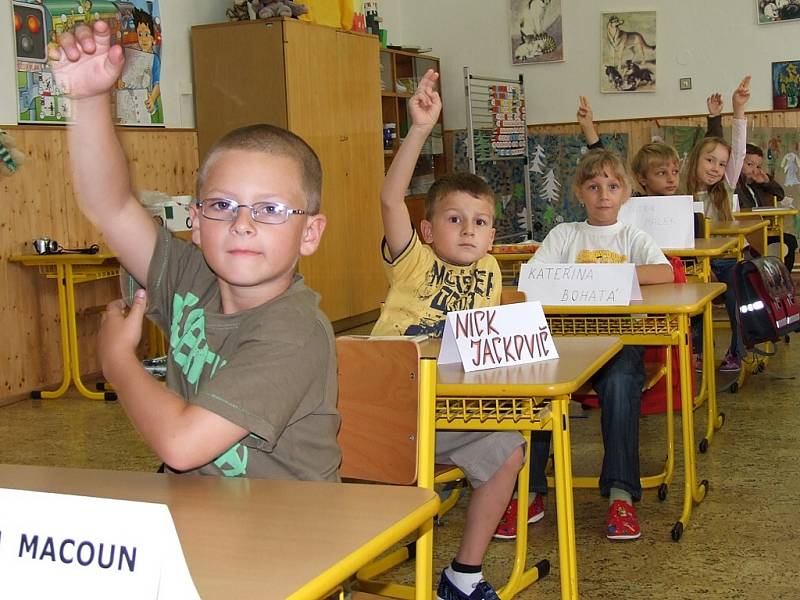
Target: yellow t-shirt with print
[[423, 288]]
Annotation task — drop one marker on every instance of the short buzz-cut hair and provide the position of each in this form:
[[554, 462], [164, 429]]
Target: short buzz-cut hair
[[753, 149], [601, 161], [273, 141], [652, 153], [457, 182]]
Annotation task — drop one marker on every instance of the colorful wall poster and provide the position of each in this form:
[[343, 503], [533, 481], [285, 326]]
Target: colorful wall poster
[[785, 84], [628, 52], [552, 166], [536, 32], [135, 24]]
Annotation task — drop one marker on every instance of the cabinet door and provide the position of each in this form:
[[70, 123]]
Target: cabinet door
[[359, 73], [229, 92], [315, 108], [333, 94]]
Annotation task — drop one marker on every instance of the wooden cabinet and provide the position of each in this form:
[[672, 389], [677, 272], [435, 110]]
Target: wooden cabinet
[[400, 74], [322, 84]]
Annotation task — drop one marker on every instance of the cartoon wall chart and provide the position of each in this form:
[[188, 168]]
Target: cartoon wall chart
[[551, 170], [785, 84], [775, 11], [628, 52], [536, 32], [134, 24]]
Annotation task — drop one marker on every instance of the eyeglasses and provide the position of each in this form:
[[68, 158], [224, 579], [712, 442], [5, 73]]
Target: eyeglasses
[[269, 213]]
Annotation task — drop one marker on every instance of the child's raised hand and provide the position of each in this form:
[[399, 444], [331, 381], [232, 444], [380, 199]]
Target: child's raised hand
[[425, 105], [740, 97], [585, 116], [87, 64], [714, 103]]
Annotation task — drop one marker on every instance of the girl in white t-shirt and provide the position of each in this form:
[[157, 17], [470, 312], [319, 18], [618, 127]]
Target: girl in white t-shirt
[[603, 184]]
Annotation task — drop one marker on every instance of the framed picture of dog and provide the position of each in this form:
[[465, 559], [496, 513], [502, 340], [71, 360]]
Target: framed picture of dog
[[628, 52], [775, 11], [536, 34]]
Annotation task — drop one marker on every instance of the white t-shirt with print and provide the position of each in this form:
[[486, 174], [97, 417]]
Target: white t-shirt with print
[[584, 243]]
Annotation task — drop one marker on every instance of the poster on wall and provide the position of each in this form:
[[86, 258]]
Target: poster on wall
[[553, 163], [775, 11], [785, 84], [135, 24], [628, 52], [536, 34]]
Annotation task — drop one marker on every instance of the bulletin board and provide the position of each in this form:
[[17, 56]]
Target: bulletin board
[[551, 171]]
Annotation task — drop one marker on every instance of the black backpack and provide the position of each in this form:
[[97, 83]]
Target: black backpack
[[764, 291]]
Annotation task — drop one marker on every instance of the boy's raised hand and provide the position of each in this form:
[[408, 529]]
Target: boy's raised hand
[[740, 97], [585, 116], [87, 64], [714, 103], [425, 105]]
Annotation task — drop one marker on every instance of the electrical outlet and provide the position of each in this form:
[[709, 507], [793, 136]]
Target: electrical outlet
[[686, 83]]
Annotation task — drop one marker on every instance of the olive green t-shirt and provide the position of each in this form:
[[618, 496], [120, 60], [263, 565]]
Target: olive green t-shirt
[[270, 369]]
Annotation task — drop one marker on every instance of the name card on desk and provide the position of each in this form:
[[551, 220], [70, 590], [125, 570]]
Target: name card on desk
[[580, 284], [668, 219], [499, 336], [63, 546]]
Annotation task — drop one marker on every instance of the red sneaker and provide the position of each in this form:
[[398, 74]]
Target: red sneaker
[[507, 528], [621, 522]]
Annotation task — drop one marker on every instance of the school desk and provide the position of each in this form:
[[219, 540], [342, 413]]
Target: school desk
[[255, 538], [774, 216], [527, 398], [69, 270], [739, 229], [661, 318], [701, 255]]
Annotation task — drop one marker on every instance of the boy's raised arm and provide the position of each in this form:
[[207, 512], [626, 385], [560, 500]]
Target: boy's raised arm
[[424, 106], [86, 67], [586, 121]]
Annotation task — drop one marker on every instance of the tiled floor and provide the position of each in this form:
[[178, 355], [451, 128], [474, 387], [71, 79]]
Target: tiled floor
[[740, 544]]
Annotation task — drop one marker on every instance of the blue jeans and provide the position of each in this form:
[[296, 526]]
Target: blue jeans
[[723, 271], [619, 388]]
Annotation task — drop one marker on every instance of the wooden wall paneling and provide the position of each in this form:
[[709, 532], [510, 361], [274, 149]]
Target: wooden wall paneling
[[365, 174], [39, 200]]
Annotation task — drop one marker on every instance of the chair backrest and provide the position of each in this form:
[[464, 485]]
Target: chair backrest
[[379, 392]]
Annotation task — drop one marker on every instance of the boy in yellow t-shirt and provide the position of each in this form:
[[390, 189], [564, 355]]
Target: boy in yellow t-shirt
[[450, 271]]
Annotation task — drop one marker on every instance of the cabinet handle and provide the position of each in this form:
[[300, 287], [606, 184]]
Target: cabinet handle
[[343, 138]]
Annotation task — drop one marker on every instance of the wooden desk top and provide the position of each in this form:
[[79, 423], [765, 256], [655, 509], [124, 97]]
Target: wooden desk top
[[579, 359], [253, 538], [715, 246], [35, 260], [664, 298], [736, 227]]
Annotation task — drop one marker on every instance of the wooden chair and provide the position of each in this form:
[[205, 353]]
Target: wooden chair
[[387, 396]]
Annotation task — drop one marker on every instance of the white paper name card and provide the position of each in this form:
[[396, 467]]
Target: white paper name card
[[500, 336], [580, 284], [668, 219], [61, 546]]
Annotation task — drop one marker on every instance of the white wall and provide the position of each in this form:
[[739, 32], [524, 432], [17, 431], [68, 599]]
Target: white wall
[[177, 16], [715, 42]]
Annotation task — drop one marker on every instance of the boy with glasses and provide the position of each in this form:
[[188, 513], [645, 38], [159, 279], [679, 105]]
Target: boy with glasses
[[251, 379]]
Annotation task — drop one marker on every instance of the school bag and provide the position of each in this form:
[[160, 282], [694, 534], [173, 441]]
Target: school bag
[[764, 292]]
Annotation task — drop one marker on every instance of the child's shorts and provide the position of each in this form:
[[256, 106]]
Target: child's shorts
[[478, 453]]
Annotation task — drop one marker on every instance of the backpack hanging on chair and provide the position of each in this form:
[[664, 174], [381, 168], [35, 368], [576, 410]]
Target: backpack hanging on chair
[[764, 291]]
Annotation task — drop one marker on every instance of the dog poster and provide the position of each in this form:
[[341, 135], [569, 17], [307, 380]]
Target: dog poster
[[775, 11], [628, 52], [536, 34]]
